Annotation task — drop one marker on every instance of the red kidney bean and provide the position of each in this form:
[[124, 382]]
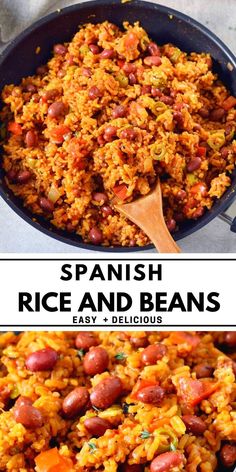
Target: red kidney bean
[[94, 48], [153, 395], [74, 403], [171, 224], [194, 164], [167, 100], [95, 235], [129, 68], [198, 212], [85, 340], [95, 361], [29, 416], [110, 133], [119, 111], [146, 89], [204, 112], [56, 110], [31, 138], [106, 392], [42, 70], [132, 79], [100, 197], [181, 195], [228, 455], [156, 92], [224, 152], [49, 95], [22, 400], [132, 468], [203, 370], [86, 72], [97, 426], [128, 133], [94, 92], [230, 338], [42, 360], [153, 353], [107, 54], [46, 205], [12, 175], [23, 176], [106, 211], [228, 129], [60, 49], [31, 88], [178, 118], [153, 49], [166, 461], [194, 424], [152, 61], [138, 342], [234, 368], [217, 114]]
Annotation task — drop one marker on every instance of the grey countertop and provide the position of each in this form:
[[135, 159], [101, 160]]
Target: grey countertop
[[16, 236]]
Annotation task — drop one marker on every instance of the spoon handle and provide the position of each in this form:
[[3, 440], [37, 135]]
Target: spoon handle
[[160, 235]]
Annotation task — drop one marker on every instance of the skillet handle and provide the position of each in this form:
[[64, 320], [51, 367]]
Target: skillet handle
[[230, 221]]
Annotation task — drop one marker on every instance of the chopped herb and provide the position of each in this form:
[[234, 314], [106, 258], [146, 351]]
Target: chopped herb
[[80, 353], [145, 434], [95, 408], [120, 356], [172, 447], [92, 447], [125, 408]]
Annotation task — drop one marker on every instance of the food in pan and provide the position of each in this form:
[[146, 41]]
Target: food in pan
[[117, 401], [109, 113]]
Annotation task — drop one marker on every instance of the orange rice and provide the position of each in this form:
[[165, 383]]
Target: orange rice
[[127, 112]]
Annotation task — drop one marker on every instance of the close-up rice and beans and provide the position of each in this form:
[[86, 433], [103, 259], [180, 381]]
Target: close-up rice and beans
[[108, 114], [117, 401]]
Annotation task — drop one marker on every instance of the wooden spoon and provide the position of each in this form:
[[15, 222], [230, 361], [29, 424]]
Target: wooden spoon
[[147, 213]]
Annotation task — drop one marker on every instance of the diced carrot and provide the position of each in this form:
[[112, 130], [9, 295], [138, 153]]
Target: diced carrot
[[158, 423], [120, 63], [193, 391], [120, 191], [140, 384], [58, 134], [180, 337], [14, 128], [52, 461], [230, 102], [201, 151]]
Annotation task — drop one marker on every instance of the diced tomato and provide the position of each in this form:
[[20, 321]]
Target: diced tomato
[[131, 40], [230, 102], [58, 134], [120, 63], [141, 383], [201, 151], [120, 191], [193, 391], [199, 188], [52, 461], [180, 337], [14, 128]]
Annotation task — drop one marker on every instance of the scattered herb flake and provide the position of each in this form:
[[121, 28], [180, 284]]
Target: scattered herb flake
[[172, 447], [125, 408], [120, 356], [95, 408], [80, 353], [145, 434], [92, 447]]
